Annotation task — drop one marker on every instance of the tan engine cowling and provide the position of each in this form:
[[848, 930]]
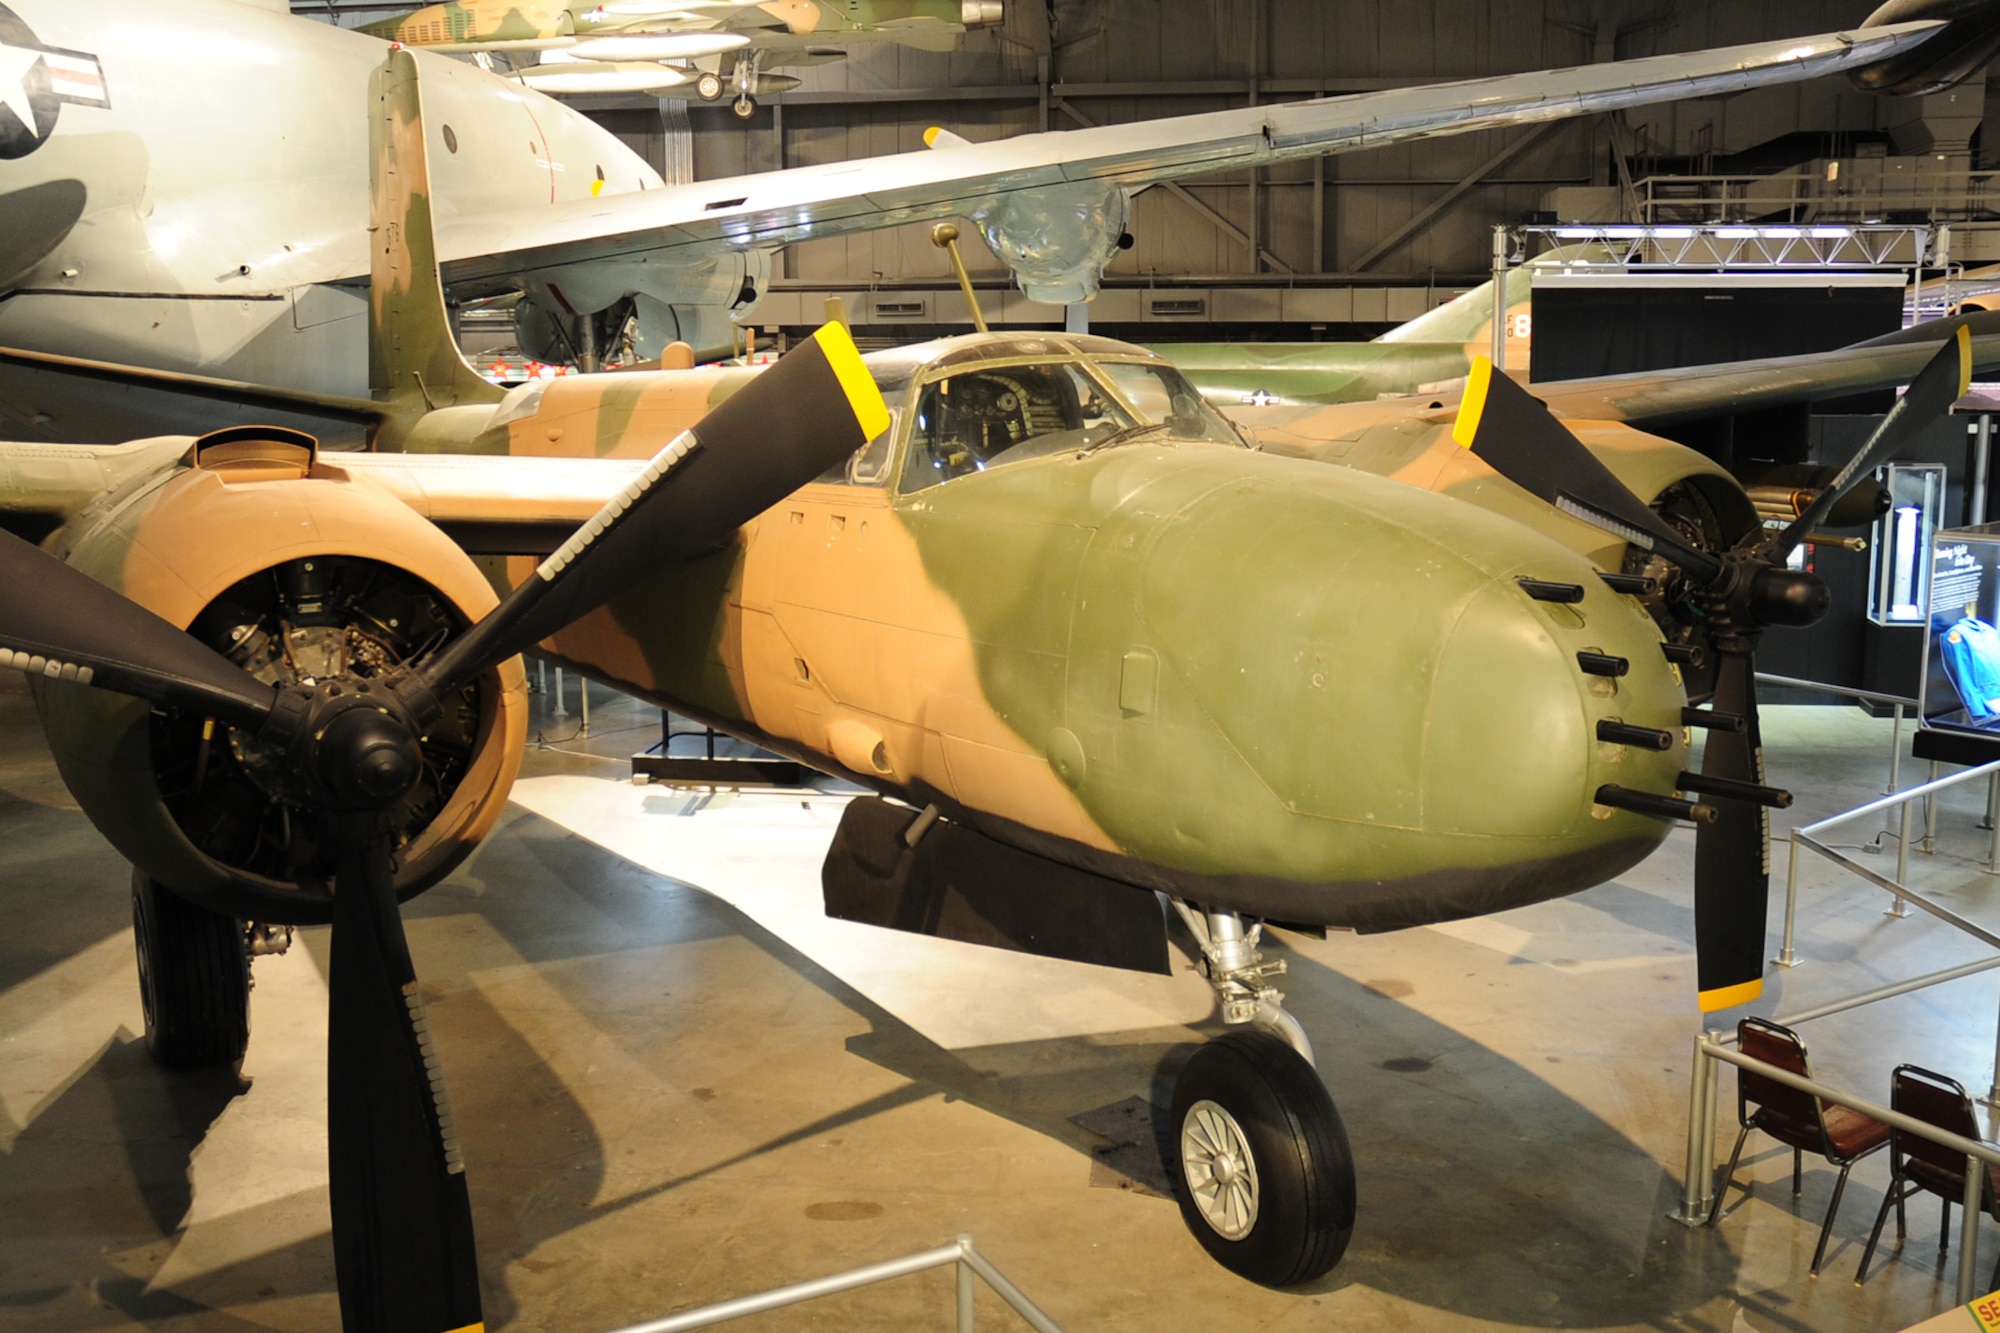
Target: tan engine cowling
[[282, 563]]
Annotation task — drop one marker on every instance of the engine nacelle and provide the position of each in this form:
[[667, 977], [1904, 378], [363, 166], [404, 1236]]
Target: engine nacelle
[[1969, 39], [694, 303], [292, 570], [1056, 240]]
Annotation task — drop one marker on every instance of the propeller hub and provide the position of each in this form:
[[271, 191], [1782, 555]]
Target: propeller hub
[[1782, 596], [367, 757]]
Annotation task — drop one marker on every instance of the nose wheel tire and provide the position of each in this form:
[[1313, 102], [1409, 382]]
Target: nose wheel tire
[[1264, 1173], [194, 979], [744, 106]]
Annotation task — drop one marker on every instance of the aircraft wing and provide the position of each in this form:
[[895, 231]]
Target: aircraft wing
[[1654, 398], [486, 252], [488, 504], [1664, 397]]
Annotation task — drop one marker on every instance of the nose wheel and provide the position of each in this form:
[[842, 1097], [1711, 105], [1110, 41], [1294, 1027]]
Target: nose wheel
[[745, 106], [1263, 1169]]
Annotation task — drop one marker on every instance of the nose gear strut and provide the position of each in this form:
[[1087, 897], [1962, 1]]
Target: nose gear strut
[[1240, 977]]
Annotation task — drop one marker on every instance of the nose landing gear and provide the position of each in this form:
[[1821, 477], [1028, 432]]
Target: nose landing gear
[[1263, 1170]]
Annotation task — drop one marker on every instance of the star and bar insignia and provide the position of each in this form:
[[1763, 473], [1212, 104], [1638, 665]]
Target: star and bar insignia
[[35, 81]]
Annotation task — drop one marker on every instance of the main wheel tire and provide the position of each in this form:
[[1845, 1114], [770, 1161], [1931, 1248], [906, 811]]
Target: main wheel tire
[[708, 87], [194, 979], [1262, 1166]]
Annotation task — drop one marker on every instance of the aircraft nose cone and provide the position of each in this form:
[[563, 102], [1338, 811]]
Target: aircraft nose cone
[[1511, 745], [1405, 732]]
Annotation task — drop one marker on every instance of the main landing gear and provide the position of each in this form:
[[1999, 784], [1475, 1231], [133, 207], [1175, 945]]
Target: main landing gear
[[1262, 1166], [194, 976], [742, 77]]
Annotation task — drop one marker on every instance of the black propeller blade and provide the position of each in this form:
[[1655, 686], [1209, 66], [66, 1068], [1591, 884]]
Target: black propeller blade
[[1739, 594], [1515, 435], [1942, 382], [402, 1223], [1732, 856], [59, 622], [403, 1250], [740, 460]]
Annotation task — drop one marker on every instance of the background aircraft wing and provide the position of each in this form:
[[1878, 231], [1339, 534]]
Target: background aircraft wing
[[1664, 397], [488, 252]]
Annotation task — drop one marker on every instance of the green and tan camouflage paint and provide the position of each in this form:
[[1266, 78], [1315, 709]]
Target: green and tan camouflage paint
[[1431, 353], [528, 22], [1306, 691]]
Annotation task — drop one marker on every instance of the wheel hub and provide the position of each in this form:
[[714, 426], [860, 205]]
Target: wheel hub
[[1220, 1169]]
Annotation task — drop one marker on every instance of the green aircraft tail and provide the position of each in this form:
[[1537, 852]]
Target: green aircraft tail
[[414, 365]]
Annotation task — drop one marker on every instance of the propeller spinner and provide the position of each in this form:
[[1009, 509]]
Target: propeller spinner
[[404, 1255], [1737, 593]]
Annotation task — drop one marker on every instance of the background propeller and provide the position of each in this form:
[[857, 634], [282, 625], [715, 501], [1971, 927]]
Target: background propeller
[[1736, 594], [404, 1255]]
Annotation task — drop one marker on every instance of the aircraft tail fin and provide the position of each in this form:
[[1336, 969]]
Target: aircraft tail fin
[[414, 364]]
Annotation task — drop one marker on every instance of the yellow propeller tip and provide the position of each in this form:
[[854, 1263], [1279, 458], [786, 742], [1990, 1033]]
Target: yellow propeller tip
[[1728, 997], [931, 136], [870, 412], [1964, 360], [1466, 428]]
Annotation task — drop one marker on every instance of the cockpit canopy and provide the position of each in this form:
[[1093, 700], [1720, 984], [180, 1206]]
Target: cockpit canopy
[[963, 405]]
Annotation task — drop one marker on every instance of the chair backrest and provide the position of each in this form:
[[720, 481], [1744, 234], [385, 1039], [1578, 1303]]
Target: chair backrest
[[1761, 1039], [1935, 1100]]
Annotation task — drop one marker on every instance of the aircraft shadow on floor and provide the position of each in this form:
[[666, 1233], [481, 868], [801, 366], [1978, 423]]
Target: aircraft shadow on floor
[[1485, 1190]]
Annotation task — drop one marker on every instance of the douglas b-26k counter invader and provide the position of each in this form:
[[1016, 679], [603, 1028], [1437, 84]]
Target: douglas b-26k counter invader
[[1083, 643]]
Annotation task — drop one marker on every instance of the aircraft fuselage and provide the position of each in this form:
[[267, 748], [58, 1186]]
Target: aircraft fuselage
[[193, 191], [1298, 691]]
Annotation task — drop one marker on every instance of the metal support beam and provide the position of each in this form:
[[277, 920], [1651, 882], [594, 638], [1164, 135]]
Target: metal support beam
[[1425, 216], [1180, 192]]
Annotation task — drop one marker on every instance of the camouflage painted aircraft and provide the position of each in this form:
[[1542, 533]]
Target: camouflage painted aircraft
[[1083, 645], [1431, 353], [724, 46], [151, 222]]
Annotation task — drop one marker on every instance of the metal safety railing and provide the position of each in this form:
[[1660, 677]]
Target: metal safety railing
[[969, 1262], [1698, 1191], [1699, 1184], [1897, 702]]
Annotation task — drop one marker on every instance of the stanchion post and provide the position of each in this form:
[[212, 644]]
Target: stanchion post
[[1898, 907], [1968, 1228], [1697, 1179], [965, 1291], [558, 714], [583, 693], [1895, 753], [1786, 958], [1930, 815], [1709, 1090]]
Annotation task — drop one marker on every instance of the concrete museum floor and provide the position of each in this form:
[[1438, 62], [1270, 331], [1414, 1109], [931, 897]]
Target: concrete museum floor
[[678, 1082]]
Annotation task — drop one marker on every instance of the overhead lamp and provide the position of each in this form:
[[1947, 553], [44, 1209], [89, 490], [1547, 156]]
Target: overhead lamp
[[1830, 233], [661, 46], [1622, 233], [1673, 233], [1736, 233], [1576, 233], [585, 77]]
